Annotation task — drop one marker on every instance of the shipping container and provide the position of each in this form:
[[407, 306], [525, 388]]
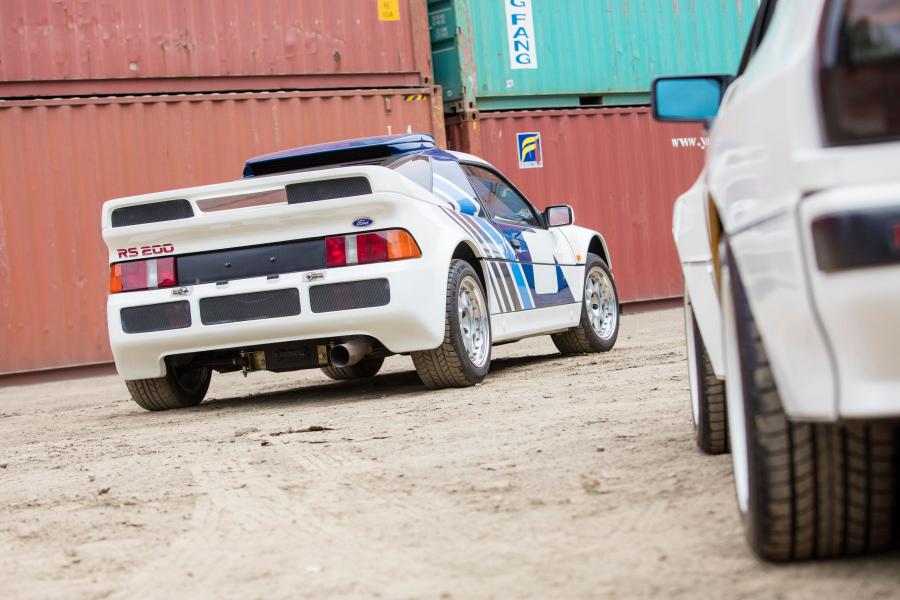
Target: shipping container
[[61, 159], [620, 170], [519, 54], [77, 47]]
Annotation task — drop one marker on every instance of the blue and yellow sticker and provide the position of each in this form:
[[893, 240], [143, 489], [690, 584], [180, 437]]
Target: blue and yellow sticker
[[529, 147]]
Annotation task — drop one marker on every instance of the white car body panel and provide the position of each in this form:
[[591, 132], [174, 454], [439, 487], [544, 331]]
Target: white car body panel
[[690, 229], [829, 337], [413, 320]]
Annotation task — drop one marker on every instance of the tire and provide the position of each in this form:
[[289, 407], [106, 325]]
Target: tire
[[367, 367], [450, 365], [809, 490], [708, 408], [584, 339], [175, 390]]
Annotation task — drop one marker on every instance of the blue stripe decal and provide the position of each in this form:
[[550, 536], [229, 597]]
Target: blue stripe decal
[[517, 270], [497, 237], [563, 296]]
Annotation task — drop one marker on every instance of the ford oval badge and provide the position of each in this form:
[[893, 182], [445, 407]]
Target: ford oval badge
[[363, 222]]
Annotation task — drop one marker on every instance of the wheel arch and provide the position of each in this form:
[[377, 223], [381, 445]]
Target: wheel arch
[[597, 245], [469, 252]]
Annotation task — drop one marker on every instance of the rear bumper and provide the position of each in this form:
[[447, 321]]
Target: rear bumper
[[855, 285], [413, 319]]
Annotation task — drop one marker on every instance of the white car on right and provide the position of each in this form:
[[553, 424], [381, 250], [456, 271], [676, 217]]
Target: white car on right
[[790, 247]]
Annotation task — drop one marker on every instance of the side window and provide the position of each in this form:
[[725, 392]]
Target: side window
[[451, 184], [416, 168], [499, 198]]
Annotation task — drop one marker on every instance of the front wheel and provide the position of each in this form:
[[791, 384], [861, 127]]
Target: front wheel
[[464, 357], [180, 388], [599, 326]]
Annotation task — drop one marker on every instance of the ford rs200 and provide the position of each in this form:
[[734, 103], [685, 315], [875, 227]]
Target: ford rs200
[[339, 255]]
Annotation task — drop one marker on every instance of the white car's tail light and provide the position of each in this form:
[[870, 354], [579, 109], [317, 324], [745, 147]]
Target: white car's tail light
[[370, 247], [142, 275]]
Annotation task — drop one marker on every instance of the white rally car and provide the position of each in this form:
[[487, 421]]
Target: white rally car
[[790, 247], [338, 255]]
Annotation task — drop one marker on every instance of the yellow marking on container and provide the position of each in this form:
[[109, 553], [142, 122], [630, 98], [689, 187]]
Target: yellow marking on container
[[388, 10], [414, 97]]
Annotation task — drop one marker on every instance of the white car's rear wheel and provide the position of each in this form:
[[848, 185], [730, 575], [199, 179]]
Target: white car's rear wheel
[[707, 390], [180, 388], [804, 490], [464, 357]]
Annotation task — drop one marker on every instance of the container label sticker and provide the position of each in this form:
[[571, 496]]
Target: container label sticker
[[388, 10], [529, 149], [520, 30]]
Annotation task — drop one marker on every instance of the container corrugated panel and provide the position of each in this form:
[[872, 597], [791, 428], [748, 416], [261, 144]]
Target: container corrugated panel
[[620, 170], [61, 159], [586, 51], [83, 47]]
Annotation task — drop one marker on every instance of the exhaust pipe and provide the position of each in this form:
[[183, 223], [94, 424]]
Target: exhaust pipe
[[350, 352]]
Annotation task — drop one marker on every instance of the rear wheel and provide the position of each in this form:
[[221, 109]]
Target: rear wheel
[[805, 490], [367, 367], [599, 326], [707, 391], [464, 357], [180, 388]]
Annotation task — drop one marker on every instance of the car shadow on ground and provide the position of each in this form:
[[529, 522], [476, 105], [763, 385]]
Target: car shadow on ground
[[405, 383]]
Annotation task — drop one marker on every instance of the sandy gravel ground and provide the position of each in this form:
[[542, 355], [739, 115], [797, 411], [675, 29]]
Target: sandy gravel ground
[[556, 478]]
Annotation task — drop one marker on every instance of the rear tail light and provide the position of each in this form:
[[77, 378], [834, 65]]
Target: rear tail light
[[860, 72], [371, 247], [142, 275]]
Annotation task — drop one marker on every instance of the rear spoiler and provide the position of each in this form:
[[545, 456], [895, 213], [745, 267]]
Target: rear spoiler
[[343, 153]]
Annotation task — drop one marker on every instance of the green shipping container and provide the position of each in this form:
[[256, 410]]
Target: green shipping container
[[514, 54]]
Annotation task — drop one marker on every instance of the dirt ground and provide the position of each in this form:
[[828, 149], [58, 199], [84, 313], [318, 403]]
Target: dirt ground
[[556, 478]]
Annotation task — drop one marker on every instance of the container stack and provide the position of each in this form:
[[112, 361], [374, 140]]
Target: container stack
[[109, 98], [577, 73]]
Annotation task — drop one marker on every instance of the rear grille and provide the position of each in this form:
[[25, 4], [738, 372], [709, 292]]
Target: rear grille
[[250, 307], [347, 296], [329, 189], [156, 317], [154, 212]]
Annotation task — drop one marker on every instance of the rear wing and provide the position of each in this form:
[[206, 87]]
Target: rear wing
[[294, 188], [256, 211], [343, 153]]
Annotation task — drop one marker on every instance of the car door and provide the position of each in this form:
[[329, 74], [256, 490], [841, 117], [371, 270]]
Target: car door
[[534, 252]]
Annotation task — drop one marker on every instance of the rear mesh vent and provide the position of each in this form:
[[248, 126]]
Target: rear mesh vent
[[156, 317], [250, 307], [347, 296], [328, 190], [154, 212]]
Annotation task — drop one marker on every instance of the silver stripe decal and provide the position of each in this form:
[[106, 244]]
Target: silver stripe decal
[[507, 304]]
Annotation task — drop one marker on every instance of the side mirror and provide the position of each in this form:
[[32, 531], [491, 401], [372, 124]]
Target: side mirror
[[559, 215], [688, 99]]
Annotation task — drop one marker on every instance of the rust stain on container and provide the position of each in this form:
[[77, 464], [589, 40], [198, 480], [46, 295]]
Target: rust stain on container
[[195, 45], [620, 170], [61, 159]]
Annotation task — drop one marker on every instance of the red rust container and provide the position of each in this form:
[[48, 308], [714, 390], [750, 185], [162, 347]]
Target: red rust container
[[61, 159], [78, 47], [620, 170]]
